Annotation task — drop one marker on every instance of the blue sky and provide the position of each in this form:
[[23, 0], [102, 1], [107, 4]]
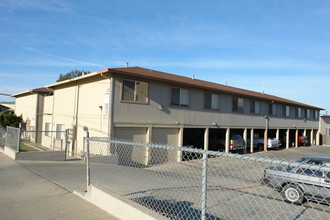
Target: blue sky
[[280, 47]]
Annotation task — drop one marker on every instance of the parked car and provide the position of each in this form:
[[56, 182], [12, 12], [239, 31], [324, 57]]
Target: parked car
[[297, 184], [236, 142], [258, 142], [322, 161], [302, 140]]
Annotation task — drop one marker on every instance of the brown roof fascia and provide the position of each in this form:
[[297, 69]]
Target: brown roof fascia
[[176, 79]]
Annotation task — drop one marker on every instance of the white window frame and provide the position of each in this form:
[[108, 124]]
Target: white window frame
[[215, 103], [272, 109], [308, 113], [256, 107], [184, 97], [286, 112], [298, 112], [48, 129], [135, 97], [60, 132], [240, 105]]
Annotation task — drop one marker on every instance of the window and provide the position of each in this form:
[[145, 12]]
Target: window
[[238, 104], [48, 129], [211, 101], [134, 91], [286, 111], [316, 115], [60, 132], [179, 97], [308, 114], [272, 109], [310, 172], [298, 112], [255, 107]]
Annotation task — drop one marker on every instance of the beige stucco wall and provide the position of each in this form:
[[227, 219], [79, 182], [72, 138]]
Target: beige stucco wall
[[324, 124], [76, 106], [47, 118], [26, 106]]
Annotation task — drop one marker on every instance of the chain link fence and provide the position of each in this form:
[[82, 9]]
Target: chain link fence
[[13, 138], [185, 183], [2, 137], [57, 139]]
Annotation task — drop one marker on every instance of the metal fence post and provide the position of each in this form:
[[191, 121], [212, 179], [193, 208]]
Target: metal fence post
[[6, 137], [66, 143], [87, 156], [204, 185], [19, 139]]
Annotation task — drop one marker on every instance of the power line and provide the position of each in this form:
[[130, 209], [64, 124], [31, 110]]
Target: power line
[[5, 94]]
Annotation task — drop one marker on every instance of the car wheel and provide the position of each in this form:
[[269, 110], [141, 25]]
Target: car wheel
[[293, 194], [260, 147]]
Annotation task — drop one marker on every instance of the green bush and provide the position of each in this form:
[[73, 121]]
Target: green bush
[[9, 118]]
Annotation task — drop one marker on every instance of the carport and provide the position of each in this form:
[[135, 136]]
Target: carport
[[193, 138], [217, 139]]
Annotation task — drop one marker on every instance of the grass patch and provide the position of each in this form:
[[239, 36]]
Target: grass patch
[[24, 148]]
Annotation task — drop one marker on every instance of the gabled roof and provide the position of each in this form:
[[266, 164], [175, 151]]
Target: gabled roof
[[189, 82]]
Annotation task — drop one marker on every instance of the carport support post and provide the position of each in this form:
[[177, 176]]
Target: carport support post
[[312, 143], [245, 140], [265, 139], [206, 138], [204, 186], [318, 137], [287, 140], [180, 143], [251, 140], [88, 165], [227, 140], [296, 144], [278, 134]]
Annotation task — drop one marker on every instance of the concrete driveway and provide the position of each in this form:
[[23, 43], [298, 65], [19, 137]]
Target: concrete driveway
[[26, 194]]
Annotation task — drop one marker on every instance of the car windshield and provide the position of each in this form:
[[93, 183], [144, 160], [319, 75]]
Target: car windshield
[[314, 161], [236, 138]]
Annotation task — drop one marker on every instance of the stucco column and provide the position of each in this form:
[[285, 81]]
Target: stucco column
[[251, 140], [245, 140], [287, 140], [278, 134], [318, 137], [265, 139], [206, 138], [296, 139], [148, 140], [180, 143], [312, 137], [227, 140], [305, 132]]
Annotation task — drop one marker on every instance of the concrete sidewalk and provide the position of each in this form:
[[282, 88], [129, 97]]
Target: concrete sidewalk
[[36, 190]]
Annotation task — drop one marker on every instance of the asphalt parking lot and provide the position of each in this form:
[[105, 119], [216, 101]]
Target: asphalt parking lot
[[234, 187], [295, 153]]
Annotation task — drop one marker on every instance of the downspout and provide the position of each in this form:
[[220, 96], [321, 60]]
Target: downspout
[[52, 133], [75, 146], [36, 127], [110, 110]]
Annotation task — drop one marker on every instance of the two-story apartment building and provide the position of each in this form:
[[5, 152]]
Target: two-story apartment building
[[151, 106]]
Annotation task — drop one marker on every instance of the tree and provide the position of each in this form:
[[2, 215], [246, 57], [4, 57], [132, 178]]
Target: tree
[[73, 74], [9, 118]]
